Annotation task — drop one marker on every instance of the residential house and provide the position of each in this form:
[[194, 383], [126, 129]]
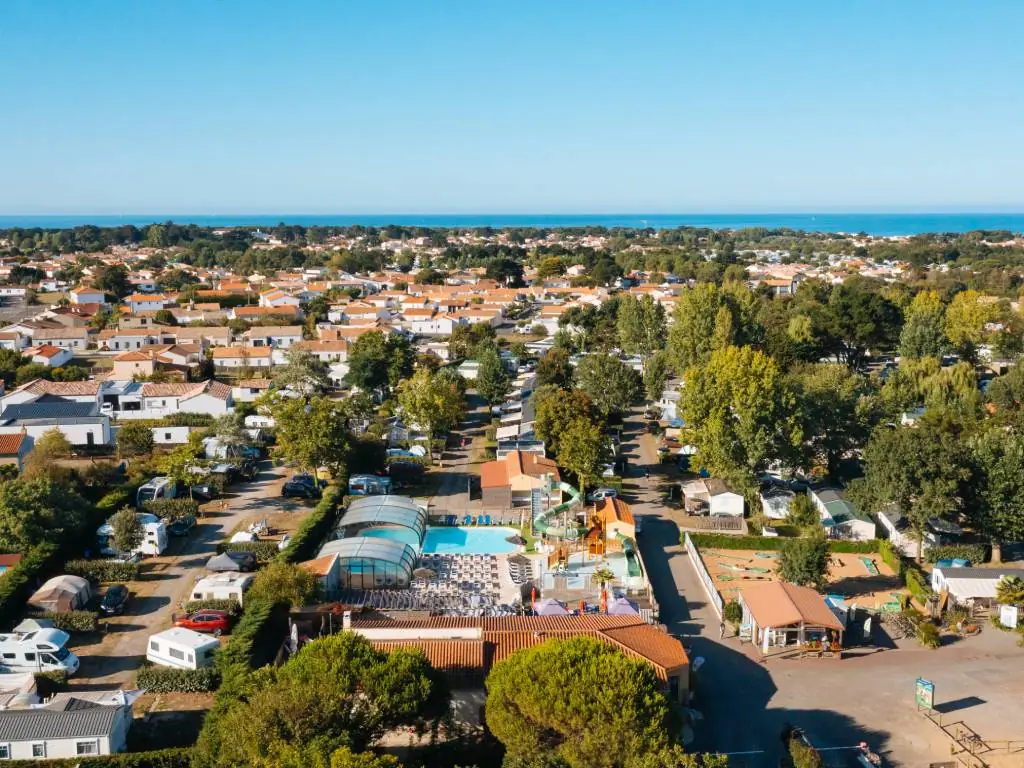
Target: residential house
[[49, 355], [72, 726], [617, 518], [252, 314], [127, 339], [511, 480], [937, 532], [839, 517], [711, 496], [80, 423], [278, 336], [143, 363], [41, 389], [247, 390], [362, 313], [85, 295], [146, 302], [205, 335], [971, 587], [243, 357], [13, 340], [76, 339], [326, 351], [210, 397], [278, 298], [14, 448]]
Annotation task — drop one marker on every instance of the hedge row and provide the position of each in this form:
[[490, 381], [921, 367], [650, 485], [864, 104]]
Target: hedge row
[[975, 553], [19, 582], [724, 541], [907, 570], [180, 757], [170, 680], [241, 650], [102, 570], [71, 621], [117, 498], [173, 509], [307, 539], [230, 605], [264, 551]]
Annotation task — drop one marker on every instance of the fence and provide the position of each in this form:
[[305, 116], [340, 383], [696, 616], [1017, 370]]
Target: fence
[[702, 572]]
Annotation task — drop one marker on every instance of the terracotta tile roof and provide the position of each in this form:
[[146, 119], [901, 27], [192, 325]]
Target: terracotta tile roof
[[324, 345], [230, 353], [186, 390], [612, 510], [63, 388], [257, 311], [45, 350], [10, 445], [253, 383], [320, 566], [779, 604], [62, 333], [451, 656], [141, 297], [274, 330]]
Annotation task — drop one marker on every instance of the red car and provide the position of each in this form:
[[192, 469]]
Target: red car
[[210, 620]]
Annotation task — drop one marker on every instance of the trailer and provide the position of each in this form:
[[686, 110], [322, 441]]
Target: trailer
[[182, 648]]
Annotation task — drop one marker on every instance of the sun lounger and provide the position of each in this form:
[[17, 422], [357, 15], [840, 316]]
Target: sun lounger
[[465, 520]]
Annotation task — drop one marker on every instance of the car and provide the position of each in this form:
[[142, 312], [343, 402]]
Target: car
[[207, 620], [296, 490], [182, 526], [205, 492], [249, 469], [134, 557], [246, 560], [602, 493], [229, 472], [114, 600], [308, 479]]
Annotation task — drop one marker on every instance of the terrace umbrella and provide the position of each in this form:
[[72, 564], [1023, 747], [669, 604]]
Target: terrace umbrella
[[620, 606], [424, 573], [551, 607]]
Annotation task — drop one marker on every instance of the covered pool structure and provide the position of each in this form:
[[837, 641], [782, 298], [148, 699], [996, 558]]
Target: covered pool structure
[[370, 563], [396, 513]]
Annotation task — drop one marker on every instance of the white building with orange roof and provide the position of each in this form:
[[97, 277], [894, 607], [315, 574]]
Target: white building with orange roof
[[49, 355], [145, 302], [242, 357], [278, 298]]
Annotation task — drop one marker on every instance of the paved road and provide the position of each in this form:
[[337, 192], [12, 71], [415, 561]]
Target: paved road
[[745, 704], [166, 581]]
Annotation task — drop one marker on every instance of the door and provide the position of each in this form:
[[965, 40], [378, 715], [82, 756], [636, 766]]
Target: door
[[89, 439]]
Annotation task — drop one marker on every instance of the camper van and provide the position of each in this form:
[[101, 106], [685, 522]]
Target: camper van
[[182, 648], [157, 488], [154, 536], [42, 650], [369, 485]]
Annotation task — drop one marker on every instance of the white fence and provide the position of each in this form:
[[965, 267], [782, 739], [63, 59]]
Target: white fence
[[702, 572]]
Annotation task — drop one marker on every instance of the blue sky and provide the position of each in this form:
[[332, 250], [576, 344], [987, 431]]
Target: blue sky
[[382, 106]]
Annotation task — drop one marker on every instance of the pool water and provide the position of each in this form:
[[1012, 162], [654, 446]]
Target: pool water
[[403, 535], [468, 541]]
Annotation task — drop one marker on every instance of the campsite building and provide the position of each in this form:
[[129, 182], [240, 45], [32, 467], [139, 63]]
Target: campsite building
[[778, 614]]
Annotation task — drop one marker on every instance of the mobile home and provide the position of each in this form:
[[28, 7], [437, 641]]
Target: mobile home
[[154, 536], [182, 648], [157, 488], [369, 485], [222, 586], [43, 650]]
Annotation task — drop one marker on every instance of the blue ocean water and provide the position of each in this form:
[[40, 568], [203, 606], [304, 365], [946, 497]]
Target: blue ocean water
[[881, 224]]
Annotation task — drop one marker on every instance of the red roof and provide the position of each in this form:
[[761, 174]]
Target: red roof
[[10, 445]]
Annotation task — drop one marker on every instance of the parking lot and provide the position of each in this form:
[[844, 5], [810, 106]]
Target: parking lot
[[110, 658]]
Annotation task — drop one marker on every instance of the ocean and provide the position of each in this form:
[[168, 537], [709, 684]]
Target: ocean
[[880, 224]]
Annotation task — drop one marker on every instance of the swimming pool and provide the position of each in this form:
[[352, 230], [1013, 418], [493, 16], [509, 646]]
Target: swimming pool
[[468, 541]]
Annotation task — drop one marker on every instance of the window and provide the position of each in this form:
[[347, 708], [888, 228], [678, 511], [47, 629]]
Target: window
[[5, 751], [86, 748], [154, 646], [167, 436], [30, 657], [174, 653], [10, 656], [39, 750]]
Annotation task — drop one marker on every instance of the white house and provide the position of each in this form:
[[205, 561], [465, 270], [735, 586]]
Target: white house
[[128, 339], [839, 518], [49, 355], [721, 500], [278, 336], [81, 423], [71, 338], [247, 390], [146, 302], [278, 298], [222, 586], [85, 295], [154, 536], [210, 397], [326, 351], [71, 726], [970, 586], [171, 435], [74, 391], [243, 357]]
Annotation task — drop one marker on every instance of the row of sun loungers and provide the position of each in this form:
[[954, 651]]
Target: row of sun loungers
[[451, 605], [481, 520]]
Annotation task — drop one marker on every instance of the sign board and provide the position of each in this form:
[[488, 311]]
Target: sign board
[[924, 693], [1008, 616]]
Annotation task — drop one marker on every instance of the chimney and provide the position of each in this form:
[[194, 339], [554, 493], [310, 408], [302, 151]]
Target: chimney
[[346, 620]]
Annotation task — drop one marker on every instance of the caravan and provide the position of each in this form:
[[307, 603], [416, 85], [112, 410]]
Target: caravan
[[182, 648], [42, 650], [154, 536], [157, 488]]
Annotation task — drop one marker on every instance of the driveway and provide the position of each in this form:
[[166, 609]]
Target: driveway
[[166, 581], [745, 703]]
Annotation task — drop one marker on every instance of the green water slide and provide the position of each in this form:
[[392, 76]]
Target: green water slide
[[542, 520]]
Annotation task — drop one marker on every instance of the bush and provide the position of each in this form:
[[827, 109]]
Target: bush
[[311, 534], [170, 680], [115, 499], [804, 755], [232, 606], [173, 509], [17, 584], [264, 551], [102, 570], [51, 682], [891, 557], [917, 583], [975, 553], [72, 621], [928, 635], [242, 648], [159, 758], [733, 612]]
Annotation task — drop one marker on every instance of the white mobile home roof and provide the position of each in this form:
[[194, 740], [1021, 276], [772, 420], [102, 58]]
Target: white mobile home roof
[[185, 638]]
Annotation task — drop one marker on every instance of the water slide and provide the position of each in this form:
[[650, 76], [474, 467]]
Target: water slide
[[541, 518]]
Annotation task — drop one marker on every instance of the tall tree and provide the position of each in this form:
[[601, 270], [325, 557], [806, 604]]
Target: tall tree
[[37, 510], [556, 409], [860, 319], [491, 379], [995, 494], [313, 434], [641, 326], [967, 316], [302, 373], [379, 362], [433, 401], [584, 450], [833, 422], [554, 368], [127, 530], [610, 383], [692, 336], [134, 439], [805, 561], [924, 332], [284, 583]]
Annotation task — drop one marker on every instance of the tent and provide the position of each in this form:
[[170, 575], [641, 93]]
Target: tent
[[61, 593], [551, 607], [620, 606], [222, 562]]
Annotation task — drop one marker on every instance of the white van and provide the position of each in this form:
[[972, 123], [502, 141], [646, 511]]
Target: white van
[[154, 536], [182, 648], [42, 650], [157, 488]]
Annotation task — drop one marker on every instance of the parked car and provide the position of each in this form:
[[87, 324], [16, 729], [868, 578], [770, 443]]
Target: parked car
[[246, 560], [602, 493], [115, 599], [298, 490], [208, 620], [205, 492], [228, 472], [308, 479], [249, 469], [134, 557], [182, 526]]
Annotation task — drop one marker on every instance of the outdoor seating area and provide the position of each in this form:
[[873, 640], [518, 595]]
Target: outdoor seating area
[[502, 519], [451, 574], [437, 604], [520, 569]]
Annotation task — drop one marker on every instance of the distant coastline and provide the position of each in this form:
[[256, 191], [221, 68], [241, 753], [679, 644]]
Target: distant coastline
[[878, 224]]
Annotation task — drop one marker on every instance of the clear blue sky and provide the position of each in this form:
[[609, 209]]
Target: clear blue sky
[[273, 106]]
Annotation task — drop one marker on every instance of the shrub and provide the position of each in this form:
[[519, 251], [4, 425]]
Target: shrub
[[102, 570], [242, 647], [232, 606], [173, 509], [928, 635], [116, 498], [917, 583], [725, 541], [804, 755], [72, 621], [891, 557], [975, 553], [264, 551], [159, 758], [310, 535], [17, 584], [51, 682], [733, 612], [169, 680]]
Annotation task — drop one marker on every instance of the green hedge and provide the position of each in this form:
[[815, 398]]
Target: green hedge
[[976, 553], [917, 583], [768, 544], [160, 758], [212, 605], [170, 680], [306, 541], [173, 509], [891, 557], [115, 499], [242, 649], [264, 551], [19, 582], [72, 621], [102, 570]]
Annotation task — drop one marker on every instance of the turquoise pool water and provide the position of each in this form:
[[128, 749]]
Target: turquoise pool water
[[403, 535], [450, 540]]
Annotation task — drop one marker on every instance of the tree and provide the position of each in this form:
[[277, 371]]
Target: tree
[[740, 413], [692, 335], [995, 493], [10, 361], [42, 460], [924, 333], [641, 326], [313, 434], [578, 703], [336, 692], [230, 434], [505, 270], [555, 410], [554, 368], [610, 383], [302, 373], [551, 266], [833, 422], [804, 561], [966, 317], [165, 317], [860, 319], [127, 530], [134, 439], [377, 362], [1007, 391], [433, 401], [466, 339], [492, 382], [656, 375], [1010, 591], [30, 372], [584, 450], [37, 510], [114, 281], [180, 462], [281, 582]]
